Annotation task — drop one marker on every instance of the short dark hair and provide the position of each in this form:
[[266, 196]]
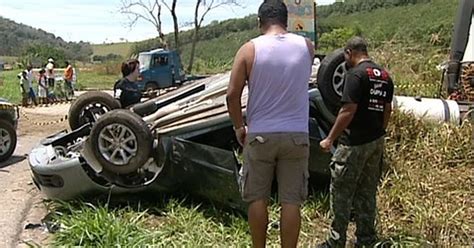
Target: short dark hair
[[129, 66], [273, 12], [42, 71], [357, 43]]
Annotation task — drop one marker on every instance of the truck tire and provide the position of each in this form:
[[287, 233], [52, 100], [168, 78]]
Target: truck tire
[[89, 106], [330, 79], [151, 86], [121, 141], [7, 140]]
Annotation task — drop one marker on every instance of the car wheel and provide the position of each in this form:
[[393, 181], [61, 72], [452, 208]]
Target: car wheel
[[330, 79], [121, 141], [7, 140], [88, 107]]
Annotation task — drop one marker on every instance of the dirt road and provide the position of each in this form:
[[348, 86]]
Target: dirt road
[[20, 202]]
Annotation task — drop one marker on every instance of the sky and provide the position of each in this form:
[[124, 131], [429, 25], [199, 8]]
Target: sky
[[99, 21]]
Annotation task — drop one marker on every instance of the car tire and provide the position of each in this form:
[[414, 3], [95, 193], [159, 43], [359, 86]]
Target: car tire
[[87, 107], [150, 86], [8, 140], [121, 141], [330, 79]]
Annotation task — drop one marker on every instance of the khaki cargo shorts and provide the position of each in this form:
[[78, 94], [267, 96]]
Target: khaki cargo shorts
[[284, 155]]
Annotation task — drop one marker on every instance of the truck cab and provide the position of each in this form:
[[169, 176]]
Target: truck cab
[[160, 69]]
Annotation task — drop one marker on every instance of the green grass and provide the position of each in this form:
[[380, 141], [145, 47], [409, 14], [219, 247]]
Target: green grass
[[427, 191], [9, 59], [172, 222], [122, 49], [10, 86], [413, 69], [410, 24], [96, 80]]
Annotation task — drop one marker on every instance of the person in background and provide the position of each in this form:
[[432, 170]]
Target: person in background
[[31, 92], [42, 87], [74, 79], [23, 88], [129, 92], [276, 66], [50, 74], [68, 74], [355, 165]]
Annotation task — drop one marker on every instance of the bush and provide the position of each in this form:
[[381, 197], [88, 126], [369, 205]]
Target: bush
[[413, 68], [427, 189], [107, 58], [337, 38], [108, 68]]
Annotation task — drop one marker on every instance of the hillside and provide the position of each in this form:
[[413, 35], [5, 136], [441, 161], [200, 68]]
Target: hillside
[[121, 48], [409, 37], [16, 38], [413, 23]]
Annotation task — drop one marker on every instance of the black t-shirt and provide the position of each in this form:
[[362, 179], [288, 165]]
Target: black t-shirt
[[130, 94], [371, 87]]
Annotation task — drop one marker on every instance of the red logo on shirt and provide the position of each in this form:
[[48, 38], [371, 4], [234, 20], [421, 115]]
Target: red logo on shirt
[[375, 73]]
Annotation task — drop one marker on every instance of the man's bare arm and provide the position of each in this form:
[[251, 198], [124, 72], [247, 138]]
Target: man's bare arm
[[344, 118], [386, 115], [238, 77]]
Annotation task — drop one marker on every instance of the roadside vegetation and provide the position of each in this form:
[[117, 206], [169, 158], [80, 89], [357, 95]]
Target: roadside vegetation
[[119, 48], [424, 200]]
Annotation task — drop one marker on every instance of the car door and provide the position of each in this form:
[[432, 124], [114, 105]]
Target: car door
[[208, 171], [161, 70]]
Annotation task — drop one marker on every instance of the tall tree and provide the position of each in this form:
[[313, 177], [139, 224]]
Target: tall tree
[[172, 10], [149, 11], [201, 9]]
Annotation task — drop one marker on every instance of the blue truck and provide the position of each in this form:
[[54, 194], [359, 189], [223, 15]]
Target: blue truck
[[160, 69]]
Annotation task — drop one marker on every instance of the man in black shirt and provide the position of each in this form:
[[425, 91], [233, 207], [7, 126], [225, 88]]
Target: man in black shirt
[[355, 166], [129, 92]]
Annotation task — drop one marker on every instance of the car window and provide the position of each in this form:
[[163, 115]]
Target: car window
[[160, 60], [144, 60]]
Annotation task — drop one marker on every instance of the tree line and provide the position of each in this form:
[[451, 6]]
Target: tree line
[[354, 6]]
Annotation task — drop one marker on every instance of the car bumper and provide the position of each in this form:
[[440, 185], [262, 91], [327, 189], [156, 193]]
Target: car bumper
[[67, 178]]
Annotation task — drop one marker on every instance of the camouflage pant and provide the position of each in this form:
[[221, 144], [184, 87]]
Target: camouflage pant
[[355, 173]]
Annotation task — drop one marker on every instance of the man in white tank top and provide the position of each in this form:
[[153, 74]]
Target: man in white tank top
[[277, 67]]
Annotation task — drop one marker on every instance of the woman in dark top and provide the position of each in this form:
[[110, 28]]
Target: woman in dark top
[[129, 92]]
